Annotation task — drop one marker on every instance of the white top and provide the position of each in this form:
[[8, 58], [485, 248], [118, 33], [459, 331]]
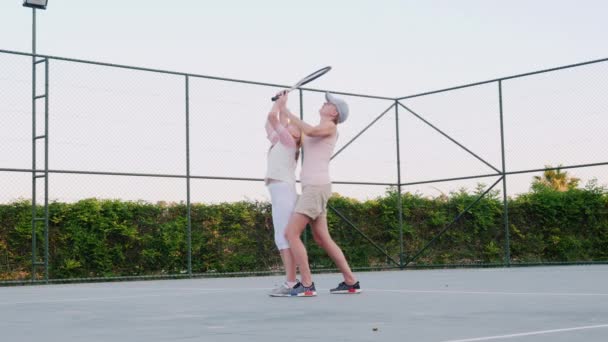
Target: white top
[[281, 157]]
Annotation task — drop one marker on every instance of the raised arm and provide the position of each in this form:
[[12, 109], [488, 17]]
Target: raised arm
[[276, 130], [283, 118], [271, 132], [321, 130]]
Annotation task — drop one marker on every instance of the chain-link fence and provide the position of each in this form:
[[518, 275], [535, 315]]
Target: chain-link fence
[[158, 156]]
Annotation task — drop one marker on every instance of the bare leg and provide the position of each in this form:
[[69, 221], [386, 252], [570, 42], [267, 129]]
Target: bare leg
[[294, 230], [323, 239], [289, 264]]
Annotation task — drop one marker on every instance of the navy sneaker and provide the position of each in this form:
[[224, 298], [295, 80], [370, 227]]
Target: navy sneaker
[[300, 290], [346, 289]]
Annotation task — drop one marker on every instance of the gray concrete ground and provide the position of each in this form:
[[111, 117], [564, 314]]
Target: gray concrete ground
[[518, 304]]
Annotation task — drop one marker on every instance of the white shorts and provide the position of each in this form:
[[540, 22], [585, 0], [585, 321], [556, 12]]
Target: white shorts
[[283, 197]]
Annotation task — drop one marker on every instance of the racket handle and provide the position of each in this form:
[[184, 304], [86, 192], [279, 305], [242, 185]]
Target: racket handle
[[276, 97]]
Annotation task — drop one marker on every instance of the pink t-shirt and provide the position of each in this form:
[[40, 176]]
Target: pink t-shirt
[[317, 154]]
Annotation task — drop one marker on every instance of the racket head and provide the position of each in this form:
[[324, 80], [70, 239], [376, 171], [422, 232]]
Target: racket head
[[313, 76]]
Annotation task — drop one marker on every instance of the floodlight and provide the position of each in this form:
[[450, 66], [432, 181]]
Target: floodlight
[[39, 4]]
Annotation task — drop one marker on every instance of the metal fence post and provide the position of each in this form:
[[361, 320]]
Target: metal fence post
[[302, 159], [188, 204], [400, 210], [34, 256], [505, 215]]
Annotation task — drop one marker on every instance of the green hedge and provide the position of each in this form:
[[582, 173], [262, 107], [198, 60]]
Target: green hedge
[[102, 238]]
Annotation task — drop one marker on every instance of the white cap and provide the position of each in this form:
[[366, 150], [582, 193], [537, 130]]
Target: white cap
[[341, 106]]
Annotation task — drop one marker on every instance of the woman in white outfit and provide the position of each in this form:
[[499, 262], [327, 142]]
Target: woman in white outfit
[[281, 182]]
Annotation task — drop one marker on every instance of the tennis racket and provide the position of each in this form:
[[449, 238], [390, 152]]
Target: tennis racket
[[305, 80]]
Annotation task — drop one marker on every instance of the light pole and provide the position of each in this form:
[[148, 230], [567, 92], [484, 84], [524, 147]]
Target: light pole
[[41, 4], [34, 5]]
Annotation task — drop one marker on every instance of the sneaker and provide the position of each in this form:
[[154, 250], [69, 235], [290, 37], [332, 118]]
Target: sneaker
[[300, 290], [344, 288], [282, 290]]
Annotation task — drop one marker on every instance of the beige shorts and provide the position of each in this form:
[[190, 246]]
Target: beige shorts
[[313, 200]]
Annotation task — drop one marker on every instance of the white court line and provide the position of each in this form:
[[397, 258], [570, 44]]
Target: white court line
[[493, 293], [170, 292], [531, 333], [112, 298]]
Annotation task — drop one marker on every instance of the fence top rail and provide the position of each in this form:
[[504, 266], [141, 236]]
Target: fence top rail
[[505, 78], [177, 73], [65, 59]]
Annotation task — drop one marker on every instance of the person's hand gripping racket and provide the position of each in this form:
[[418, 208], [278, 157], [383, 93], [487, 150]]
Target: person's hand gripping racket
[[305, 80]]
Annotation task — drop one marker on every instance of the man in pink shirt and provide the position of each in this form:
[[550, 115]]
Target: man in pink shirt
[[318, 143]]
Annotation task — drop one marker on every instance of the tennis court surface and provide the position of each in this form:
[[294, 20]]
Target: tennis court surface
[[559, 303]]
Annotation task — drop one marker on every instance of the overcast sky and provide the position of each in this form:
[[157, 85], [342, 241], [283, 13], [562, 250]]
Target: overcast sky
[[387, 48]]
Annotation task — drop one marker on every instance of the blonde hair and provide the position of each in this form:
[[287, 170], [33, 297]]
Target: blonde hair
[[297, 140], [298, 144]]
